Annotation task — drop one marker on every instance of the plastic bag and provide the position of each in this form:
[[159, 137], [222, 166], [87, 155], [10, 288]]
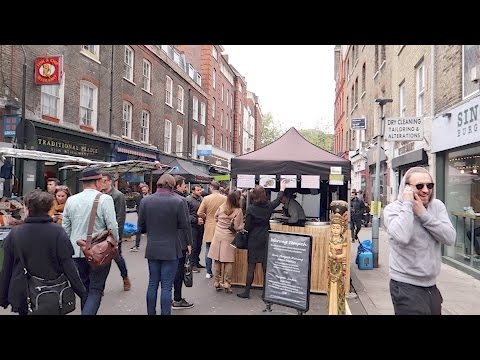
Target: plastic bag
[[129, 229]]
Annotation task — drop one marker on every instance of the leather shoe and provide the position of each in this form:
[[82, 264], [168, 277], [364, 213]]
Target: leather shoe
[[127, 284], [243, 295]]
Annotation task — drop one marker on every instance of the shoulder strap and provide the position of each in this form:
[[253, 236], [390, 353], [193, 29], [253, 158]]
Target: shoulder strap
[[92, 217]]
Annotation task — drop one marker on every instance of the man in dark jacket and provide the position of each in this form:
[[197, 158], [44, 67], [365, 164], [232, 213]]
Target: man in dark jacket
[[120, 211], [357, 208], [185, 240], [194, 200], [162, 216]]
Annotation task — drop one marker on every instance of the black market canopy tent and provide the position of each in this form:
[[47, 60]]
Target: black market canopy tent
[[291, 154], [186, 169]]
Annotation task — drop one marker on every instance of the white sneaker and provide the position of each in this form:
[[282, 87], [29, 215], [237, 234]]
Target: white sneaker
[[209, 276]]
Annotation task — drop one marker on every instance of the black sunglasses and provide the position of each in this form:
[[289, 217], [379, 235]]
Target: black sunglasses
[[420, 186]]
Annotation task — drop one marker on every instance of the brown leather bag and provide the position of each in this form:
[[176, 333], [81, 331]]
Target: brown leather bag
[[102, 248]]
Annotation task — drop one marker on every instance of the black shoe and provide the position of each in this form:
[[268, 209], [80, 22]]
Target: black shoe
[[243, 295], [200, 266]]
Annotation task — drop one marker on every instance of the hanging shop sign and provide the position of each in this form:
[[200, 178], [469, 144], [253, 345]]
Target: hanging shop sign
[[48, 70]]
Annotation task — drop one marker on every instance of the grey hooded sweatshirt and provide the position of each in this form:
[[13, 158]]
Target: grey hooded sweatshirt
[[415, 241]]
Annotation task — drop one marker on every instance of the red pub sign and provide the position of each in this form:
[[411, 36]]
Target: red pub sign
[[48, 70]]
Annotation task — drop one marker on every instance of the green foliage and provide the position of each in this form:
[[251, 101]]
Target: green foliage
[[319, 138], [271, 130]]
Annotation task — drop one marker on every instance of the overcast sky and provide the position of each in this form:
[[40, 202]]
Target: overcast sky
[[295, 83]]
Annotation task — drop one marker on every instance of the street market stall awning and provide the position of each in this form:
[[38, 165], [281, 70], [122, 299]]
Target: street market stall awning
[[186, 169], [289, 154], [122, 167], [45, 156]]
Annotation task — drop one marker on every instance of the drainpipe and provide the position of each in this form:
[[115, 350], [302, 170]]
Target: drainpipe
[[112, 146], [431, 157]]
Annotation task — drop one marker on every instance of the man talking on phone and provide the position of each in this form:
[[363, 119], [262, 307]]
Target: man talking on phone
[[417, 224]]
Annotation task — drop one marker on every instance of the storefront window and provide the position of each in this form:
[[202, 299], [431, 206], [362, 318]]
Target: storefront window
[[462, 198]]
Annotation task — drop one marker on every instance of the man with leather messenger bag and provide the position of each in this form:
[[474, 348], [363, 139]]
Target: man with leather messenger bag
[[76, 218]]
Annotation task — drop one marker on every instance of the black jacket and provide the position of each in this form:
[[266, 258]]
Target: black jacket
[[193, 205], [257, 223], [185, 236], [47, 252], [162, 215]]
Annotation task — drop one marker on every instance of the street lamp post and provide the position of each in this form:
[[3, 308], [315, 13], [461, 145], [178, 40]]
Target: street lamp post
[[376, 217]]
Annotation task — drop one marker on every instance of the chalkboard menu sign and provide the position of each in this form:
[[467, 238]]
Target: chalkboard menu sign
[[287, 275]]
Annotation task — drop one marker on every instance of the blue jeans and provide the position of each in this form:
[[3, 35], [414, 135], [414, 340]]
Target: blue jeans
[[94, 281], [161, 271], [208, 261]]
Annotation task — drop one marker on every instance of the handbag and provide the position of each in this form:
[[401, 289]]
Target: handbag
[[187, 272], [100, 249], [48, 297], [240, 241]]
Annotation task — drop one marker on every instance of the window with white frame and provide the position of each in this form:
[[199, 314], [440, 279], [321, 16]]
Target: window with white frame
[[223, 90], [195, 109], [127, 120], [147, 70], [203, 112], [180, 99], [420, 89], [221, 142], [92, 50], [227, 124], [51, 101], [401, 99], [179, 142], [194, 145], [128, 63], [167, 137], [214, 52], [221, 118], [214, 78], [231, 101], [199, 79], [471, 61], [214, 104], [169, 91], [213, 135], [145, 129], [202, 142], [228, 95], [88, 104]]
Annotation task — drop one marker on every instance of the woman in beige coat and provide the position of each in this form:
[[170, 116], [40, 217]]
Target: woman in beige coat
[[220, 249]]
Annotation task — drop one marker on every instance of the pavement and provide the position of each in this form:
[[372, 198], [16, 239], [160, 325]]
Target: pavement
[[460, 291]]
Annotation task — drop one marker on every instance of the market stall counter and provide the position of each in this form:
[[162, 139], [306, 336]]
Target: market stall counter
[[319, 264]]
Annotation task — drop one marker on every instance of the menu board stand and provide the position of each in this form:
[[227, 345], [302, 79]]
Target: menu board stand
[[287, 274]]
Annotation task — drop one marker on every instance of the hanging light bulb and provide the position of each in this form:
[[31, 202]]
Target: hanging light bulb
[[474, 171], [462, 171]]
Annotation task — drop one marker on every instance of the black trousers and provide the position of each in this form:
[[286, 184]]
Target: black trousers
[[415, 300], [178, 281], [356, 226], [119, 260], [197, 238]]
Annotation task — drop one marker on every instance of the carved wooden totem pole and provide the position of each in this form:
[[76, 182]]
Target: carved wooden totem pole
[[337, 258]]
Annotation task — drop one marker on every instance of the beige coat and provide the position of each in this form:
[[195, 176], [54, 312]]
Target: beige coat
[[208, 208], [220, 248]]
